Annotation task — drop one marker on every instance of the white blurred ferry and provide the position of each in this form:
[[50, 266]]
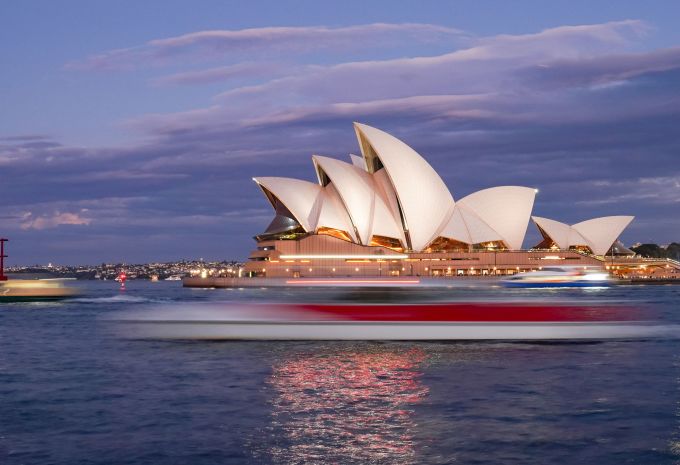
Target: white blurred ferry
[[560, 276], [386, 321]]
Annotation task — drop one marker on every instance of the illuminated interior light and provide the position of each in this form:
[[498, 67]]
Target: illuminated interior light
[[344, 257], [325, 282]]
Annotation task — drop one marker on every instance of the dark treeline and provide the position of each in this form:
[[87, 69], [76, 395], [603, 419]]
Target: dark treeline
[[656, 251]]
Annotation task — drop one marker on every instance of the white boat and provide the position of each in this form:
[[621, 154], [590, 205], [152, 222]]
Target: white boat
[[560, 276]]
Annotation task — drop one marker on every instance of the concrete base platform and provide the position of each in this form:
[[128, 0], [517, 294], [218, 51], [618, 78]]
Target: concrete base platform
[[403, 281]]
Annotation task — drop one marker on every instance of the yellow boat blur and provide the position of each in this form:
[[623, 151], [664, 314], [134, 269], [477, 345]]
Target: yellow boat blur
[[30, 290]]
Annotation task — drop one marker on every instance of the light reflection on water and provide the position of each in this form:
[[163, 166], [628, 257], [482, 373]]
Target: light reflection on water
[[71, 394], [342, 406]]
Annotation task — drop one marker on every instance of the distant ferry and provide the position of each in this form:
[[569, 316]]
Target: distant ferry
[[560, 276], [31, 290]]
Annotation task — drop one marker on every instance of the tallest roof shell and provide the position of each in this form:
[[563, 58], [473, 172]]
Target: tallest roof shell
[[424, 200]]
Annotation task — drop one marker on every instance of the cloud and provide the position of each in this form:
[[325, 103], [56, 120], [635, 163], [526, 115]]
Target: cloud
[[601, 70], [657, 190], [475, 106], [491, 66], [564, 109], [26, 138], [222, 74], [267, 40], [31, 221]]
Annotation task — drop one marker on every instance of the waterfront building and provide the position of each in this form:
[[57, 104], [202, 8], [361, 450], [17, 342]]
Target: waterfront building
[[388, 213]]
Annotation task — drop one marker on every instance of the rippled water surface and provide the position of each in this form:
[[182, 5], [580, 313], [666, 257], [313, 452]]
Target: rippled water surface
[[71, 392]]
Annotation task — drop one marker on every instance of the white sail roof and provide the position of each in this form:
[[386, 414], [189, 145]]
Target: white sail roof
[[505, 209], [575, 238], [358, 161], [332, 212], [557, 231], [598, 233], [466, 226], [425, 201], [299, 197], [356, 189], [457, 228], [386, 221]]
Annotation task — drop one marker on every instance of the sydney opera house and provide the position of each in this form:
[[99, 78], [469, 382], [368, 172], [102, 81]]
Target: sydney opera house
[[388, 213]]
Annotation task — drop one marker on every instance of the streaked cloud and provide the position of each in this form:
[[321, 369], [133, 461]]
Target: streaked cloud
[[267, 40], [223, 74]]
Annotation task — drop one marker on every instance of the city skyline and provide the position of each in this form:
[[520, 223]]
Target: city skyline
[[130, 132]]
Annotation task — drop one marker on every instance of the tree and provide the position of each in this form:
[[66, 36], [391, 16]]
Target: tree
[[650, 251], [673, 251]]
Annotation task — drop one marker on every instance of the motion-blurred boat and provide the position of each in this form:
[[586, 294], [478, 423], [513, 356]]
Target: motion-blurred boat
[[431, 321], [560, 276], [30, 290]]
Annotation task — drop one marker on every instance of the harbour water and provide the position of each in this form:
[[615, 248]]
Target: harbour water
[[73, 392]]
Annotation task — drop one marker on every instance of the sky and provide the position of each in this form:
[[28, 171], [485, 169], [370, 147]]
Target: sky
[[130, 131]]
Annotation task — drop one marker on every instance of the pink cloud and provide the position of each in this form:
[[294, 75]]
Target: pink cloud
[[48, 221]]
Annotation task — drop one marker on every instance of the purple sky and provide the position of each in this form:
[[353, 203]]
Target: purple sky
[[130, 131]]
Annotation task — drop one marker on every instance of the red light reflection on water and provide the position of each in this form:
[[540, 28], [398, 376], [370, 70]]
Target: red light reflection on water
[[347, 406]]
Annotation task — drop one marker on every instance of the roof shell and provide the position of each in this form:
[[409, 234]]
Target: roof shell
[[299, 197], [425, 201], [466, 226], [600, 233], [358, 161], [332, 212], [558, 232], [387, 221], [356, 189], [505, 209]]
